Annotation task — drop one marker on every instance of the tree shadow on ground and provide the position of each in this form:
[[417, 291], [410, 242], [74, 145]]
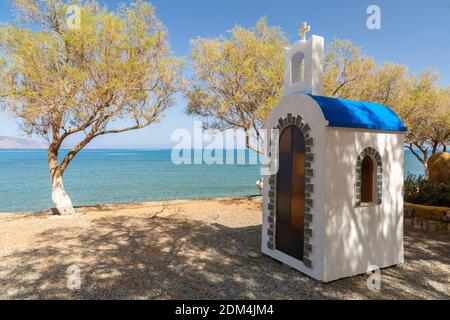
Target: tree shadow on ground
[[122, 257]]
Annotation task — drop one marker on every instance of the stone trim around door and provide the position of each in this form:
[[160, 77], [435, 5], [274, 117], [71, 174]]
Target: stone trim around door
[[379, 175], [283, 123]]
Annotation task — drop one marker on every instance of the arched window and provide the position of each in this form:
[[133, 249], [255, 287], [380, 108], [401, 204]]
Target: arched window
[[367, 179], [297, 68]]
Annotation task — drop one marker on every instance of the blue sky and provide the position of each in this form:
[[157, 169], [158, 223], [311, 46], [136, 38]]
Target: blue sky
[[414, 33]]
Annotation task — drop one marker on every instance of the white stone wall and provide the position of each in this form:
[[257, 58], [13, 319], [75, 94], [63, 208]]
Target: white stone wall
[[357, 237]]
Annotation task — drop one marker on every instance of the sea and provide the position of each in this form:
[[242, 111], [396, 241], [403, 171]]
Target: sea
[[127, 176]]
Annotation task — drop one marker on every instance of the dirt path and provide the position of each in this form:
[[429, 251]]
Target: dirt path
[[205, 249]]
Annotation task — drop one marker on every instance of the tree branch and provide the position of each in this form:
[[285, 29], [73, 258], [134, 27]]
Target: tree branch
[[410, 147]]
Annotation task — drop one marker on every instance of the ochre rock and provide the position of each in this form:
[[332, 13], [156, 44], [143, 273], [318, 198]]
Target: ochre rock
[[439, 168]]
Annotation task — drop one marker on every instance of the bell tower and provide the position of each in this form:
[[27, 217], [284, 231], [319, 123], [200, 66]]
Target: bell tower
[[303, 65]]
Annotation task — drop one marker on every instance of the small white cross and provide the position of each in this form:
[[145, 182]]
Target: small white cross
[[304, 30]]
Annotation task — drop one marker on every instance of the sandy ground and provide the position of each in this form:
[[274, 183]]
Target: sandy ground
[[205, 249]]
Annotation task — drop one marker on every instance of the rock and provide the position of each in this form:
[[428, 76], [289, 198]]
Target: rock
[[408, 222], [447, 216], [432, 226], [430, 212], [424, 225], [409, 212], [417, 223], [441, 227], [439, 168]]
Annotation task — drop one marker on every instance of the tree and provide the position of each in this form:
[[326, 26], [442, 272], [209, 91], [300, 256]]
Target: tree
[[425, 109], [345, 69], [111, 73], [422, 105], [349, 74], [238, 79]]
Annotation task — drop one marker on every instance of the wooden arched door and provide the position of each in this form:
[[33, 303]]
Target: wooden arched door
[[290, 198]]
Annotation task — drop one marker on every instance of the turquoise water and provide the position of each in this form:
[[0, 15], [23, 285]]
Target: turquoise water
[[123, 176]]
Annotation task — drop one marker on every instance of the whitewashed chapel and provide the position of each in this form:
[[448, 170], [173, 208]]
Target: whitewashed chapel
[[335, 206]]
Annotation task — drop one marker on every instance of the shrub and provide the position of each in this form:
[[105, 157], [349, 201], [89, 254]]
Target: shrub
[[420, 191]]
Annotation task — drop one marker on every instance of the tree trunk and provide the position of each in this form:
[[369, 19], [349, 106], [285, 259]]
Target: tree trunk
[[425, 165], [59, 196]]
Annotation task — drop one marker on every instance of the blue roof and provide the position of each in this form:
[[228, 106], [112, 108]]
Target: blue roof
[[357, 114]]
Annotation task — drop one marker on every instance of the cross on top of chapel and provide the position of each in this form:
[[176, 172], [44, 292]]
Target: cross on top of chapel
[[303, 31]]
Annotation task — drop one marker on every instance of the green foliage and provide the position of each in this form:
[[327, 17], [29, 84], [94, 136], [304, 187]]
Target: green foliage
[[237, 79], [108, 73], [420, 191], [113, 73]]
